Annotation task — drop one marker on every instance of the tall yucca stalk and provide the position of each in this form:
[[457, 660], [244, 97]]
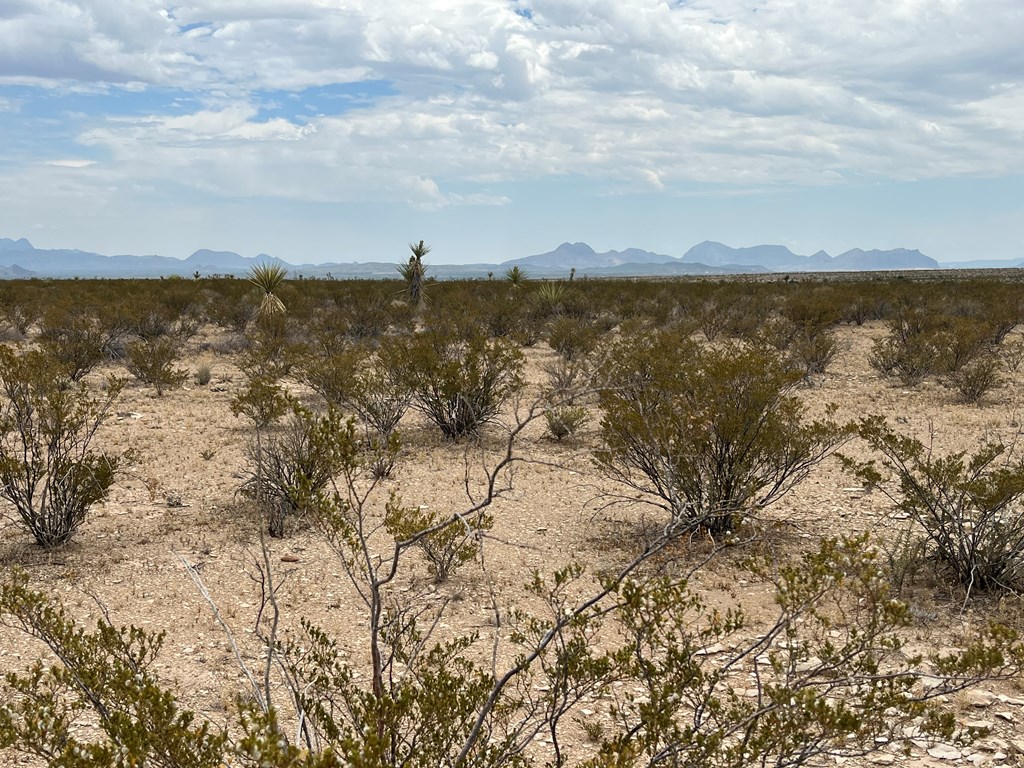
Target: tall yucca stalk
[[268, 278], [414, 271]]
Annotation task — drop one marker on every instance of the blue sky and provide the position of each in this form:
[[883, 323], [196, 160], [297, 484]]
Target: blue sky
[[342, 130]]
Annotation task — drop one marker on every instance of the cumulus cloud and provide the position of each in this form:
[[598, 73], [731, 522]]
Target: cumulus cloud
[[633, 94]]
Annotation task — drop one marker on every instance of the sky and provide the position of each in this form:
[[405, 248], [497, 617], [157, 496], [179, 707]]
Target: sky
[[343, 130]]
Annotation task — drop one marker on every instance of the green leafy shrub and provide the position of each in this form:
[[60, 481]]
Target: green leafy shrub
[[262, 401], [573, 338], [457, 382], [106, 672], [977, 378], [966, 505], [565, 420], [289, 467], [709, 434], [47, 423], [445, 546], [358, 380], [78, 339], [152, 361]]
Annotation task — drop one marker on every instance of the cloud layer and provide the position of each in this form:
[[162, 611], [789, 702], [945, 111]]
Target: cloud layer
[[445, 102]]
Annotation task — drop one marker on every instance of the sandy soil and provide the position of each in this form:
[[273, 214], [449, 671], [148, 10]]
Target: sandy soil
[[128, 554]]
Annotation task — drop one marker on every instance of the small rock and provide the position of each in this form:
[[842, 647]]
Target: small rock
[[710, 650], [981, 699], [945, 752], [883, 758]]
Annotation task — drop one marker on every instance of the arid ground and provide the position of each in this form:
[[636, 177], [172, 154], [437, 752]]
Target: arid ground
[[179, 503]]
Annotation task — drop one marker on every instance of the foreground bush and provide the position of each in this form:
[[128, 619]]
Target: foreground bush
[[822, 688], [968, 506], [708, 434], [47, 423]]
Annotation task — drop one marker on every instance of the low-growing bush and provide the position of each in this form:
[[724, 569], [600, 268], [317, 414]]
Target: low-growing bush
[[573, 338], [565, 420], [152, 361], [289, 467], [445, 547], [967, 506], [458, 382], [708, 434], [48, 469], [977, 378], [78, 339]]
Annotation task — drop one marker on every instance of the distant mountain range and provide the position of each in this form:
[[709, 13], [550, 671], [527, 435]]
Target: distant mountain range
[[20, 259]]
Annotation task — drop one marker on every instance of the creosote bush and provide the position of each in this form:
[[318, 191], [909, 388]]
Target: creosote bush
[[152, 361], [446, 547], [457, 381], [290, 466], [831, 676], [709, 434], [968, 506], [48, 469]]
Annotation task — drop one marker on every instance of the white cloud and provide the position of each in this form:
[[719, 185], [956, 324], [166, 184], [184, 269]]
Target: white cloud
[[633, 94], [70, 163]]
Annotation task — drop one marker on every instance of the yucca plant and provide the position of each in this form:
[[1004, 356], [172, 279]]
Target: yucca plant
[[268, 278], [516, 277], [414, 271]]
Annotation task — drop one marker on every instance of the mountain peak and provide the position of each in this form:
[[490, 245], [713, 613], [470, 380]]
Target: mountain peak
[[576, 249], [21, 244]]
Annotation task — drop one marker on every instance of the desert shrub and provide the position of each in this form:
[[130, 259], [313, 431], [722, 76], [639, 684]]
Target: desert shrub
[[445, 546], [271, 351], [358, 380], [502, 318], [329, 374], [378, 393], [76, 338], [708, 435], [204, 372], [910, 360], [968, 506], [572, 338], [811, 311], [1000, 312], [288, 467], [458, 382], [977, 378], [565, 420], [829, 670], [566, 379], [48, 470], [20, 314], [152, 361], [1012, 354], [811, 354], [232, 312], [711, 317], [962, 340], [106, 672], [262, 401]]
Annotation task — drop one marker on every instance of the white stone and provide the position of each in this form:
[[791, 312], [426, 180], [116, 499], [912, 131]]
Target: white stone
[[945, 752]]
